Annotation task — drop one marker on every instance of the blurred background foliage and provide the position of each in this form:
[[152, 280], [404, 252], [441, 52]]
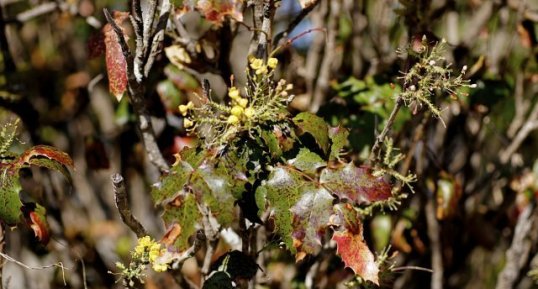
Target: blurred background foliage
[[477, 173]]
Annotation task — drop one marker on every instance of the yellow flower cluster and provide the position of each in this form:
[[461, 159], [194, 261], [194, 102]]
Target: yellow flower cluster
[[184, 110], [239, 108], [261, 68], [148, 250]]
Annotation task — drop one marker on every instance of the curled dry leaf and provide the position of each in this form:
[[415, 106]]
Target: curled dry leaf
[[116, 64]]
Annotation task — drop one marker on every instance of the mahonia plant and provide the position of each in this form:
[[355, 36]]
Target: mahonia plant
[[12, 209], [255, 154]]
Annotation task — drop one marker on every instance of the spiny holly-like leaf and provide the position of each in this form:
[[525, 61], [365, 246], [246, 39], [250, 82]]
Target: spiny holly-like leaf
[[346, 217], [271, 142], [44, 153], [10, 204], [355, 184], [315, 126], [35, 216], [183, 210], [307, 161], [116, 64], [172, 183], [338, 136], [283, 189], [356, 254], [213, 185], [311, 217]]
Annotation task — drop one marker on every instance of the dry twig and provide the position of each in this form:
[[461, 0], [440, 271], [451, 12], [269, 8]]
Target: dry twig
[[122, 203]]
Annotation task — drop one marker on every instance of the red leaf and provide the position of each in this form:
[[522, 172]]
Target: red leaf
[[215, 11], [34, 215], [356, 184], [47, 152], [115, 60], [356, 255]]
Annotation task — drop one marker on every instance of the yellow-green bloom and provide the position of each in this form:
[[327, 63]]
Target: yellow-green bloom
[[256, 64], [233, 92], [272, 62], [232, 119], [243, 102], [187, 123], [237, 110], [160, 267], [249, 112]]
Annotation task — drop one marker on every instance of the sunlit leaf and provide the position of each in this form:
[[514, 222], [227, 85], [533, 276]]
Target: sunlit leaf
[[355, 184], [172, 183], [338, 136], [183, 211], [10, 204], [311, 217], [116, 64], [356, 254], [307, 161], [315, 126]]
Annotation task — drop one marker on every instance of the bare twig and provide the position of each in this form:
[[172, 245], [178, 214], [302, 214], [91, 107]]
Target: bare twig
[[530, 125], [55, 265], [436, 247], [295, 22], [517, 256], [122, 203], [376, 148], [265, 35], [136, 96]]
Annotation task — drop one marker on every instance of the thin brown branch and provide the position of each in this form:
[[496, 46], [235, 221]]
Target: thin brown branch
[[376, 148], [122, 203], [55, 265], [136, 96], [293, 24], [517, 256], [264, 37]]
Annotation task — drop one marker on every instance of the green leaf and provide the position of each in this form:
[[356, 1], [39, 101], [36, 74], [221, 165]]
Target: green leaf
[[172, 183], [218, 280], [10, 203], [214, 187], [183, 211], [338, 136], [314, 125], [307, 162], [51, 165], [311, 217], [355, 184], [283, 190], [271, 142]]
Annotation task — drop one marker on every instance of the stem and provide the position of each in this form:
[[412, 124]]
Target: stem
[[122, 203], [376, 148]]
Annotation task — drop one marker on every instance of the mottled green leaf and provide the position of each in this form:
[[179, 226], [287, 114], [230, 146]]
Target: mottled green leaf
[[10, 204], [271, 142], [283, 190], [355, 184], [311, 217], [338, 136], [315, 126], [183, 210], [214, 187], [307, 161], [172, 183]]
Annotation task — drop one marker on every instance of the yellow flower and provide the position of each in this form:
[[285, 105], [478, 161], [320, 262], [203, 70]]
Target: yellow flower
[[187, 123], [160, 267], [140, 248], [237, 110], [154, 252], [261, 70], [232, 119], [243, 102], [249, 112], [183, 109], [272, 62], [233, 92], [256, 63]]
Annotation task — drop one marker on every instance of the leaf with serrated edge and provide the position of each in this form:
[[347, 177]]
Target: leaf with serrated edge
[[338, 136], [10, 204], [172, 183], [43, 151], [315, 126], [282, 192], [356, 184], [307, 161], [183, 211], [311, 217], [356, 255]]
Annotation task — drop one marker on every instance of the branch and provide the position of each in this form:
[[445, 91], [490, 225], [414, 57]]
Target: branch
[[436, 246], [376, 148], [122, 203], [56, 265], [530, 124], [136, 96], [296, 21], [268, 14], [525, 237]]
